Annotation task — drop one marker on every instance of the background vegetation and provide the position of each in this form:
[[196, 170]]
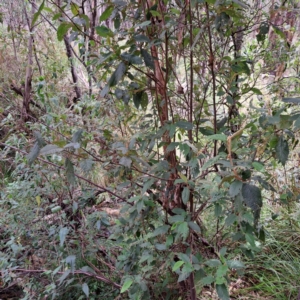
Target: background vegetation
[[149, 150]]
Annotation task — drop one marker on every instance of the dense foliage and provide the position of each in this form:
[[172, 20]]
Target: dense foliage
[[148, 149]]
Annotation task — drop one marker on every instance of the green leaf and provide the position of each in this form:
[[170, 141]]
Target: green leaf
[[219, 137], [235, 264], [62, 30], [50, 149], [282, 150], [147, 59], [183, 230], [74, 9], [64, 276], [235, 188], [55, 209], [176, 218], [37, 14], [222, 291], [144, 102], [62, 235], [142, 38], [222, 271], [125, 161], [278, 31], [161, 230], [133, 59], [291, 100], [117, 75], [208, 280], [213, 263], [194, 226], [160, 247], [70, 174], [266, 185], [183, 276], [76, 138], [140, 99], [106, 14], [257, 166], [126, 285], [252, 196], [85, 289], [256, 91], [103, 31], [185, 195], [33, 154], [184, 125], [177, 265]]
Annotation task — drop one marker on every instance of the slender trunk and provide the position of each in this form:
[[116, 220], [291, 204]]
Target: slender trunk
[[72, 66], [26, 114]]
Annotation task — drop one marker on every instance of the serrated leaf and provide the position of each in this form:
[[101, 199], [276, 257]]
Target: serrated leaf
[[177, 265], [222, 291], [125, 161], [62, 235], [235, 188], [183, 230], [37, 14], [70, 174], [103, 31], [117, 75], [106, 14], [62, 30], [252, 196], [126, 285], [85, 289], [147, 59], [50, 149], [86, 165], [282, 150]]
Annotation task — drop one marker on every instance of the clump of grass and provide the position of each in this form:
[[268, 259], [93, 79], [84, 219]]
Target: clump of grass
[[275, 271]]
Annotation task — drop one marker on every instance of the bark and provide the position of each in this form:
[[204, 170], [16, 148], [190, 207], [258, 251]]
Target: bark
[[73, 69], [26, 113]]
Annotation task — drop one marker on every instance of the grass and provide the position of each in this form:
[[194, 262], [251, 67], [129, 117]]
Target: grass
[[274, 273]]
